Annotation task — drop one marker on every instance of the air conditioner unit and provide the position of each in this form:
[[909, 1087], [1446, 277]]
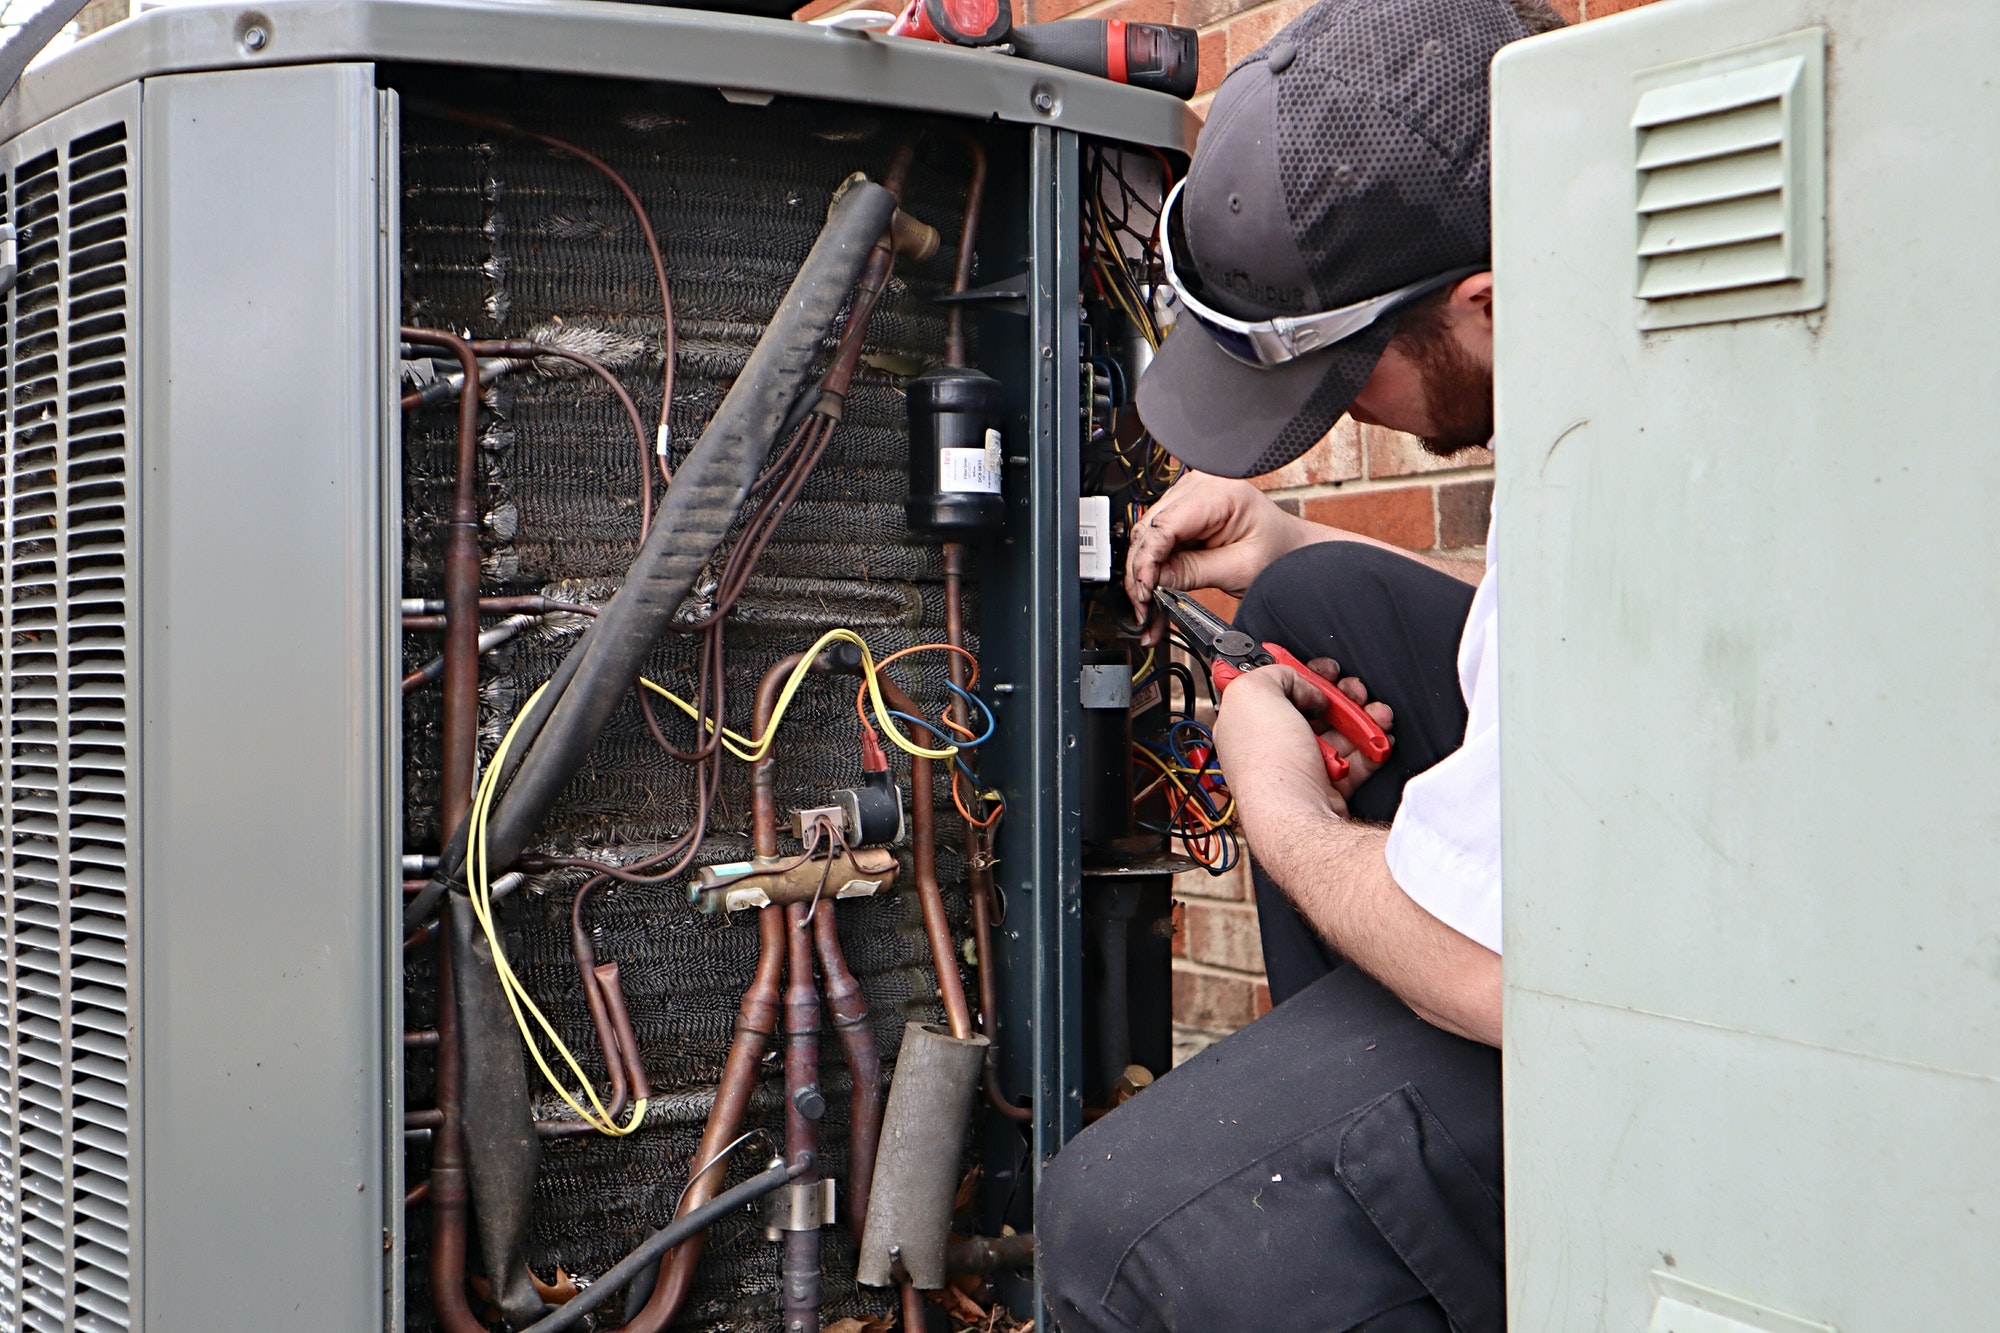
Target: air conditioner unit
[[1746, 406], [215, 785]]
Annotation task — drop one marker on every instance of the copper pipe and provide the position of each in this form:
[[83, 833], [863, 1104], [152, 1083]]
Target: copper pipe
[[913, 1310], [615, 1059], [421, 1037], [975, 194], [621, 1023], [639, 214], [450, 1197], [460, 721], [804, 1104], [849, 1008], [519, 347], [923, 834], [978, 852], [416, 1194], [756, 1024]]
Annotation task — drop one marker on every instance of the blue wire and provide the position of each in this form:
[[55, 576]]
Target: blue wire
[[992, 724]]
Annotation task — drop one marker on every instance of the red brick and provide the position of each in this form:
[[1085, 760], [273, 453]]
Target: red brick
[[1402, 516], [1597, 9], [1254, 27], [1179, 946], [1391, 453], [1221, 603], [1137, 11], [1464, 509], [1202, 13], [1214, 56], [1335, 458], [1212, 1000], [1571, 10], [1200, 105], [1260, 1000], [1043, 11], [1230, 886], [1224, 935]]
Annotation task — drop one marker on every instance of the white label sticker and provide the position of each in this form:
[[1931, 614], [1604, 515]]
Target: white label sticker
[[994, 460], [974, 470]]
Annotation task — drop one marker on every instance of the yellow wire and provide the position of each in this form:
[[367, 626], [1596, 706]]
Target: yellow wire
[[750, 751], [1145, 666], [480, 889], [481, 894], [1193, 806]]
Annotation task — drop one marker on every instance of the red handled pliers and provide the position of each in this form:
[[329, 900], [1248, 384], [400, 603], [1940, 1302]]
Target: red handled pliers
[[1228, 653]]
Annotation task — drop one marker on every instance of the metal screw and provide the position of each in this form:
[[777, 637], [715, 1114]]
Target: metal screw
[[254, 38], [1044, 100]]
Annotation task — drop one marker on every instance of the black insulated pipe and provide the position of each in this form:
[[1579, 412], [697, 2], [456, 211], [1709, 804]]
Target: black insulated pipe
[[569, 1315], [691, 523]]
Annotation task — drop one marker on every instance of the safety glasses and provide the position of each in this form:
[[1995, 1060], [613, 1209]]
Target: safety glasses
[[1264, 343]]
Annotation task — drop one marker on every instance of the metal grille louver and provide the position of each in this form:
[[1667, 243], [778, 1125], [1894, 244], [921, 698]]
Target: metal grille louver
[[66, 694], [1731, 186]]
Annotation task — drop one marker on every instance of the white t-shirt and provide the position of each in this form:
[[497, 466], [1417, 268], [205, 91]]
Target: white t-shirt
[[1444, 848]]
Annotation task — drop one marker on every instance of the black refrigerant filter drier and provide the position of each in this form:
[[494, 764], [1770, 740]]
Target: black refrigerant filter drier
[[956, 453]]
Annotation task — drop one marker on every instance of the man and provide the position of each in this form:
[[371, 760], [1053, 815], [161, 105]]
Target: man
[[1336, 1165]]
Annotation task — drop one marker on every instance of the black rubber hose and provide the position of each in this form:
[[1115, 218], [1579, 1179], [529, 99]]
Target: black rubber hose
[[692, 522], [689, 1223]]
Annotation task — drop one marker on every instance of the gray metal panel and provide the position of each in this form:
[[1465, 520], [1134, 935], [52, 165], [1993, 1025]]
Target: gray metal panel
[[1751, 776], [70, 874], [264, 668], [609, 40], [388, 242], [1054, 183]]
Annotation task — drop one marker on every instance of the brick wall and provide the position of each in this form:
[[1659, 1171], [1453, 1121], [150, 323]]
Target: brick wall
[[1374, 481]]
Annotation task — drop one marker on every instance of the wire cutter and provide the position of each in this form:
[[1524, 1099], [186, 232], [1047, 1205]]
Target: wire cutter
[[1228, 653]]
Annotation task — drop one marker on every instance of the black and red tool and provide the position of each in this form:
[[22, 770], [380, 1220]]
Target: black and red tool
[[1228, 653], [1158, 56]]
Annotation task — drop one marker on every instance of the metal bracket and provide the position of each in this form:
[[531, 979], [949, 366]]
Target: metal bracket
[[803, 1205], [1008, 294]]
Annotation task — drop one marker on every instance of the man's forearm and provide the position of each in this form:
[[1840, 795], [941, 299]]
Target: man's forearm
[[1335, 872]]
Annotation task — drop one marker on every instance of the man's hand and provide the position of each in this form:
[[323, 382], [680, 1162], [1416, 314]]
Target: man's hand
[[1262, 716], [1207, 532], [1334, 870]]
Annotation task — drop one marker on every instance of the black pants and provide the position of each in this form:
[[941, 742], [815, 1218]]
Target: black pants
[[1335, 1166]]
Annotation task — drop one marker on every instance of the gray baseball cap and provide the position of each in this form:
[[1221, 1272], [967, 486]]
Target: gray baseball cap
[[1343, 173]]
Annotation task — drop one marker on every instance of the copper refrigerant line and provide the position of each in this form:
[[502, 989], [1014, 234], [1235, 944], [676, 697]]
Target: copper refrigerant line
[[979, 836], [449, 1194], [783, 931]]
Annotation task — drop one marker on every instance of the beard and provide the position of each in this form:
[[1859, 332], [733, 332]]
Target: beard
[[1458, 391]]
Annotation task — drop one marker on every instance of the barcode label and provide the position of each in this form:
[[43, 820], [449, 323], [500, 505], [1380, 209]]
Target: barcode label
[[1087, 539], [970, 470]]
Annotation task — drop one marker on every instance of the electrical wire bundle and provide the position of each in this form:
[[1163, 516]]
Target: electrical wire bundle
[[1123, 223], [1181, 770]]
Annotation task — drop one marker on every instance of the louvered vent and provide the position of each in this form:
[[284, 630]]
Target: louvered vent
[[1731, 177], [66, 698]]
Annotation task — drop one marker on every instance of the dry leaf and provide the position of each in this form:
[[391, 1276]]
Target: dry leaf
[[559, 1292], [879, 1324]]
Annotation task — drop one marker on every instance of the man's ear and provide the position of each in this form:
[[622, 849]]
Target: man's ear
[[1473, 298]]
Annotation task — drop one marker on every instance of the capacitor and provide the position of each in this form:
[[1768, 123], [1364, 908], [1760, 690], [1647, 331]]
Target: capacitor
[[956, 453]]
